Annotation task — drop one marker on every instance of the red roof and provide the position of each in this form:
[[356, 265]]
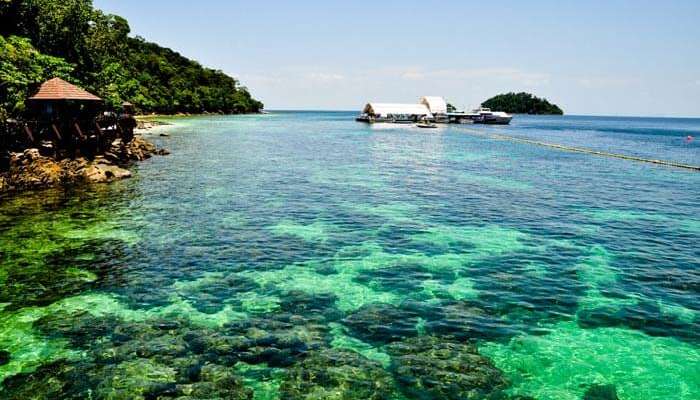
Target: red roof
[[58, 89]]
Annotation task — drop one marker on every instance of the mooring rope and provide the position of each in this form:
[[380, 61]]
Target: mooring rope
[[586, 151]]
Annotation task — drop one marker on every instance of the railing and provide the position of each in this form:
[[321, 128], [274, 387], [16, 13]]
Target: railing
[[61, 138]]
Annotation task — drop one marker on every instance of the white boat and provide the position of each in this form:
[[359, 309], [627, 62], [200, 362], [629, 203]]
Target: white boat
[[484, 115]]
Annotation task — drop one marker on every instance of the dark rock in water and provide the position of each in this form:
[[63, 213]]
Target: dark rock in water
[[303, 303], [601, 392], [402, 279], [58, 380], [645, 316], [166, 345], [379, 323], [464, 321], [29, 284], [337, 374], [280, 340], [81, 328], [211, 295], [5, 357], [429, 367]]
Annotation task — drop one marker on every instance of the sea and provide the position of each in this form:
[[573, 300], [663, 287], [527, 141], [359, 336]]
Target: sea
[[303, 255]]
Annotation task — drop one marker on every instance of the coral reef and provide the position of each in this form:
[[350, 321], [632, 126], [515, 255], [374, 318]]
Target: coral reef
[[337, 374], [429, 367]]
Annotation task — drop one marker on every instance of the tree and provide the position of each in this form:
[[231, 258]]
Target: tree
[[72, 40], [522, 103], [23, 68]]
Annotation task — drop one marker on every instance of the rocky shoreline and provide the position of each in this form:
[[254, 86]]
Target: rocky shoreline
[[29, 170]]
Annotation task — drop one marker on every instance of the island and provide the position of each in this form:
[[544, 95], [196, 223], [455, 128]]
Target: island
[[522, 103], [72, 40]]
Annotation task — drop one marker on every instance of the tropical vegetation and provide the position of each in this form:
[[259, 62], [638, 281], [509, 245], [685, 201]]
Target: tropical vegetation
[[41, 39], [522, 103]]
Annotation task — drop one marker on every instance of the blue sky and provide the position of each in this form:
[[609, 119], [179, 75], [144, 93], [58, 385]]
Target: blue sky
[[590, 57]]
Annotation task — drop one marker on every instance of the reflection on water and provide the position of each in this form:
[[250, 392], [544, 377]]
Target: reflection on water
[[303, 255]]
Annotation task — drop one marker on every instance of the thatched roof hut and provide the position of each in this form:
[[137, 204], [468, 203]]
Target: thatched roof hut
[[57, 89]]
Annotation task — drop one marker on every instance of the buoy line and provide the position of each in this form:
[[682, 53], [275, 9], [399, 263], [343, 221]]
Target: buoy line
[[587, 151]]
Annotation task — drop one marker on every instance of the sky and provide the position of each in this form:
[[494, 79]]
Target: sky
[[589, 57]]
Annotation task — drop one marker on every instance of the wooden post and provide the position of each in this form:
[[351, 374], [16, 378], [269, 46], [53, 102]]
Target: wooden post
[[80, 132], [56, 132], [28, 131], [99, 136]]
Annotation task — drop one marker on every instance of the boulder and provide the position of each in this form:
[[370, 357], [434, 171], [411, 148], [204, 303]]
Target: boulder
[[101, 171]]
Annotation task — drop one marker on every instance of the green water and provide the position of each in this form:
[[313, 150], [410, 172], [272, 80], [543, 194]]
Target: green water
[[303, 255]]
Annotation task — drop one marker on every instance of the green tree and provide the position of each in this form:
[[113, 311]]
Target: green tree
[[522, 103], [71, 39], [23, 68]]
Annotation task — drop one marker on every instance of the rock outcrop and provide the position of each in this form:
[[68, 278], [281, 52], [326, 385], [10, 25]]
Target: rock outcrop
[[30, 170]]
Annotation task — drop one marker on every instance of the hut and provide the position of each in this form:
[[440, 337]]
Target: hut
[[65, 115]]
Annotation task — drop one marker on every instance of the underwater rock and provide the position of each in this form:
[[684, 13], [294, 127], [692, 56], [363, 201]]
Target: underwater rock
[[279, 340], [30, 285], [58, 380], [465, 321], [601, 392], [217, 382], [5, 357], [308, 304], [337, 374], [645, 316], [429, 367], [81, 328], [139, 296], [216, 346], [404, 279], [210, 295], [380, 323], [133, 379]]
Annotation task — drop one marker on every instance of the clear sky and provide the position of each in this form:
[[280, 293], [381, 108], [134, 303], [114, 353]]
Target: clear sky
[[590, 57]]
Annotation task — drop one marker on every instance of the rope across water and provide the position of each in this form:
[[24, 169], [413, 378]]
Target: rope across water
[[585, 150]]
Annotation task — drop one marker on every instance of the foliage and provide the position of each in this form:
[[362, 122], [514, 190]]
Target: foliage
[[70, 39], [21, 68], [522, 103]]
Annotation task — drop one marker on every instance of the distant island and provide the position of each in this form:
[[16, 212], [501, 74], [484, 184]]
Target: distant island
[[72, 40], [522, 103]]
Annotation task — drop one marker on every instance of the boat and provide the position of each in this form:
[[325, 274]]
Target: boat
[[426, 125], [484, 115]]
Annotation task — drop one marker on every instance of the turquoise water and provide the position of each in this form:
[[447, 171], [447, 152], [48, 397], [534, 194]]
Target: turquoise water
[[304, 255]]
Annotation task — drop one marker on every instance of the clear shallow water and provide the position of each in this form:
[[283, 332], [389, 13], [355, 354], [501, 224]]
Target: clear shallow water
[[296, 254]]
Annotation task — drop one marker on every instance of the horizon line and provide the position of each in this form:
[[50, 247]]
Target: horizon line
[[565, 114]]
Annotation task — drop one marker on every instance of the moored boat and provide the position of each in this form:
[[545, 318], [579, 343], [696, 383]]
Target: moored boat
[[486, 116]]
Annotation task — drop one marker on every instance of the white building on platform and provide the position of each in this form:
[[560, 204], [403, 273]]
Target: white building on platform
[[428, 107]]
